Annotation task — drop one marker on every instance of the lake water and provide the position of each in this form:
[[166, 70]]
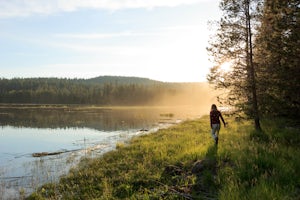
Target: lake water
[[69, 134]]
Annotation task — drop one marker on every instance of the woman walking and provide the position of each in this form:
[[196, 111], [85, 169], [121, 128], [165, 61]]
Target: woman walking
[[215, 123]]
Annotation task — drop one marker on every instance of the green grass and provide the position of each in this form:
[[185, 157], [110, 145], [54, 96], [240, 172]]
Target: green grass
[[245, 165]]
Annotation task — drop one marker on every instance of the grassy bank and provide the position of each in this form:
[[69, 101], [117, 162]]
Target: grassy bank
[[182, 162]]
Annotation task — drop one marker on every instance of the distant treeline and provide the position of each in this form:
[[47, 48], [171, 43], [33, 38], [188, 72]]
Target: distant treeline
[[106, 90]]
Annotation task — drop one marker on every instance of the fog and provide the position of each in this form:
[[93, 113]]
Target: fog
[[200, 95]]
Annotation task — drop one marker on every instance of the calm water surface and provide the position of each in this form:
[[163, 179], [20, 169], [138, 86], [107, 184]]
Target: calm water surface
[[70, 134]]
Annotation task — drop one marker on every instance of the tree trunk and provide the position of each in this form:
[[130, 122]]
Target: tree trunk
[[252, 70]]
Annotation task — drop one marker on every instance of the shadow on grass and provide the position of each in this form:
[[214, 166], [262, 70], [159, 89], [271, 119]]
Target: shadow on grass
[[259, 136], [206, 186], [194, 180]]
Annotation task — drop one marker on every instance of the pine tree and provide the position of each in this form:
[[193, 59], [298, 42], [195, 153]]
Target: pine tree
[[234, 42], [278, 55]]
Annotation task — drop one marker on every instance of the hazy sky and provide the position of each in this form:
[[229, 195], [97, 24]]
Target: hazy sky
[[164, 40]]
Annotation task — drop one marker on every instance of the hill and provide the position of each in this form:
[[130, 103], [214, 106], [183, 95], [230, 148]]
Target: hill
[[102, 90], [121, 80]]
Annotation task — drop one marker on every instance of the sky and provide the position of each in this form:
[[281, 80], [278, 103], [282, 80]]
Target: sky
[[163, 40]]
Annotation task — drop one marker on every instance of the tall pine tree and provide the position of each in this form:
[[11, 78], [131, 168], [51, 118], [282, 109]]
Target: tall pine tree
[[278, 55], [233, 42]]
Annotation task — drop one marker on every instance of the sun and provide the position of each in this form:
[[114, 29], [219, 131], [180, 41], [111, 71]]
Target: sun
[[226, 66]]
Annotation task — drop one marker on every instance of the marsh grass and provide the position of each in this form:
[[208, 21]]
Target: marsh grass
[[245, 165], [264, 165]]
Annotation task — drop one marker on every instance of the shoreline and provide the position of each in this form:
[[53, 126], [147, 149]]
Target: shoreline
[[183, 162], [28, 183]]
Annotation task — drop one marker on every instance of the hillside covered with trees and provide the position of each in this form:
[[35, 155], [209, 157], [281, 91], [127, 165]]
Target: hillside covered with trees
[[104, 90]]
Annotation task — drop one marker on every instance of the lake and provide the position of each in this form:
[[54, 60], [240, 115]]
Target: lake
[[38, 144]]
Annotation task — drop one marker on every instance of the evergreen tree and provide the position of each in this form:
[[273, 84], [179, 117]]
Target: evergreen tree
[[278, 55], [233, 42]]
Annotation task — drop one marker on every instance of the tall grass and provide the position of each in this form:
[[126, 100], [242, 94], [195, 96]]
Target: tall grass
[[263, 165], [245, 165]]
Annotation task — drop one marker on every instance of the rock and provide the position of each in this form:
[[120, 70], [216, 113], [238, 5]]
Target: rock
[[198, 166], [201, 165]]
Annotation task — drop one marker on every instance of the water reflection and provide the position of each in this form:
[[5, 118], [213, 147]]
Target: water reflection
[[99, 119], [75, 131]]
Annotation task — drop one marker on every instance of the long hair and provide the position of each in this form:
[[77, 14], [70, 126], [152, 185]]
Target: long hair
[[213, 107]]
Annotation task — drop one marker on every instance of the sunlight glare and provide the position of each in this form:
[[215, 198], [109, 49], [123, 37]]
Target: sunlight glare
[[226, 66]]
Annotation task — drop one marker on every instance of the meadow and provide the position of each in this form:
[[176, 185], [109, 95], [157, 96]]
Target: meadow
[[182, 162]]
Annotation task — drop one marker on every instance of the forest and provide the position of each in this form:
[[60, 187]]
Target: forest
[[104, 90], [261, 42]]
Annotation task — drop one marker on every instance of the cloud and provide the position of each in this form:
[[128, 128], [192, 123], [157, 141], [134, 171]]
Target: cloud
[[123, 34], [15, 8], [94, 36], [156, 39]]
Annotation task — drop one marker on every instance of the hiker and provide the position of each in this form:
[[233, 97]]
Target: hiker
[[215, 124]]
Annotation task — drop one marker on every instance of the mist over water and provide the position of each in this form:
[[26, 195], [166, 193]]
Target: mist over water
[[72, 132]]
